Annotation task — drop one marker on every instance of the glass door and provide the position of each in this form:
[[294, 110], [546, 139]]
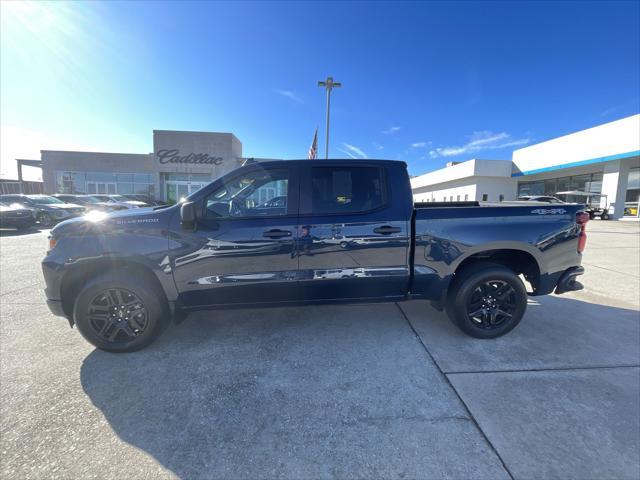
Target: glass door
[[101, 187], [177, 190]]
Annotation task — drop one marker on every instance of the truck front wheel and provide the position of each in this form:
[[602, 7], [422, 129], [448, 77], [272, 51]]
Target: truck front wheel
[[120, 312], [486, 300]]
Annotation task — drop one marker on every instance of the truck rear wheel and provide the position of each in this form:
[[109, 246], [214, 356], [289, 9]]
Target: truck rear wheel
[[120, 312], [486, 300]]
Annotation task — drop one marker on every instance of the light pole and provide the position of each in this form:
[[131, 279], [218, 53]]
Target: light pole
[[329, 85]]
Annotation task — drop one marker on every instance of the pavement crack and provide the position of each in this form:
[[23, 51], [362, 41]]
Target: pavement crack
[[21, 288], [464, 405], [548, 369], [609, 270], [386, 419]]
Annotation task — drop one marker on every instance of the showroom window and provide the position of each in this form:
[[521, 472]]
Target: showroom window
[[633, 185], [591, 182], [105, 183]]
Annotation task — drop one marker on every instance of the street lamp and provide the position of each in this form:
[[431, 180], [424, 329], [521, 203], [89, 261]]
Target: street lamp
[[328, 84]]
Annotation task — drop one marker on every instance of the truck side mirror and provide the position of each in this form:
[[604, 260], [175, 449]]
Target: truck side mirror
[[188, 216]]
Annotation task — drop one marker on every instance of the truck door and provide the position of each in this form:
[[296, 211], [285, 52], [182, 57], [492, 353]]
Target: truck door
[[352, 242], [242, 248]]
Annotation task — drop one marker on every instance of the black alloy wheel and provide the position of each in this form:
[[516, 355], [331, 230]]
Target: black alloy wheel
[[121, 311], [117, 315], [486, 300], [491, 304]]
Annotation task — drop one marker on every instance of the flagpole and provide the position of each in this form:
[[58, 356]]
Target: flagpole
[[329, 85]]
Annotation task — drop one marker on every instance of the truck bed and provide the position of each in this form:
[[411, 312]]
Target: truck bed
[[542, 236]]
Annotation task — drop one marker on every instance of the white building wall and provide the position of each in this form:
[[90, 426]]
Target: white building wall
[[444, 191], [474, 188], [494, 187]]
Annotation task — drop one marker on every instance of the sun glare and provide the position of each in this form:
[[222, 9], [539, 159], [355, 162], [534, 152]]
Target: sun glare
[[35, 31]]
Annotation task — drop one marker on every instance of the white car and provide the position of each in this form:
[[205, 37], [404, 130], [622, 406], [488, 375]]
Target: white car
[[119, 200]]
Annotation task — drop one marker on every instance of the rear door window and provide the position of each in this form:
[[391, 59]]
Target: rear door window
[[348, 189]]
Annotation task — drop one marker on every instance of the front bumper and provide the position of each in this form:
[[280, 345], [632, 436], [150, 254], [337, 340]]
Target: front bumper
[[55, 307], [52, 271], [568, 282]]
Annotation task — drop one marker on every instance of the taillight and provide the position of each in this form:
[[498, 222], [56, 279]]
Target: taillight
[[581, 219], [52, 243]]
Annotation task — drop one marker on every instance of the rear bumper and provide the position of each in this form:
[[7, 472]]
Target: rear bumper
[[568, 282]]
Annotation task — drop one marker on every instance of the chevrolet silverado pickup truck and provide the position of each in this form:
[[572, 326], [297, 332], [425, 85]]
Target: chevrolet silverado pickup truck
[[341, 231]]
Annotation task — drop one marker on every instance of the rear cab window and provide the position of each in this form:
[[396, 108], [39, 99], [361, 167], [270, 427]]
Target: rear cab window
[[346, 190]]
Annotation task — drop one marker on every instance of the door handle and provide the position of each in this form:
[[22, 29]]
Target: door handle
[[386, 230], [276, 233]]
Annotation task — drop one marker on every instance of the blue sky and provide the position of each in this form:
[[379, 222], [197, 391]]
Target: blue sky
[[425, 82]]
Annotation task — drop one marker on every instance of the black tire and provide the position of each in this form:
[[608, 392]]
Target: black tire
[[495, 293], [45, 220], [120, 312], [604, 216]]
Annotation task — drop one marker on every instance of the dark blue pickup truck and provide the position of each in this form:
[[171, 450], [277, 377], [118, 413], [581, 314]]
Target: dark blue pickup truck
[[288, 232]]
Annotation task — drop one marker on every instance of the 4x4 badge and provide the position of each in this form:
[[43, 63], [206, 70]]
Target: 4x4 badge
[[547, 211]]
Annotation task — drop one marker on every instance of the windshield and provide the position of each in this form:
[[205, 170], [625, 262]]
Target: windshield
[[119, 198], [89, 199], [45, 200]]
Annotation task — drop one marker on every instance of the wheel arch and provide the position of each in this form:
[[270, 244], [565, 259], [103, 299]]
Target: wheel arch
[[517, 260], [81, 273]]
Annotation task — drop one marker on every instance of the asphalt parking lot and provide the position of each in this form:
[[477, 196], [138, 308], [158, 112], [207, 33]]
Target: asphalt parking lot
[[359, 391]]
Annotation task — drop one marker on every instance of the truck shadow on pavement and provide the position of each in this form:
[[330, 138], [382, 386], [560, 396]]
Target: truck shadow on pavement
[[328, 391]]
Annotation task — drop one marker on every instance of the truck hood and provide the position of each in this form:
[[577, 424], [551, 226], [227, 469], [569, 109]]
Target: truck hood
[[112, 222]]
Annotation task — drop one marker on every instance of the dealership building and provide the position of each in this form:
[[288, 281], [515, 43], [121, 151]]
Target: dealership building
[[603, 160], [181, 163]]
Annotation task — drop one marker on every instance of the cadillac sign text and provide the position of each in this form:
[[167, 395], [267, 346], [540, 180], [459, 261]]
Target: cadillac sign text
[[173, 156]]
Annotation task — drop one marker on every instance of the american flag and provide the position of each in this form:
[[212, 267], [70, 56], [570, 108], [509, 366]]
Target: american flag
[[313, 149]]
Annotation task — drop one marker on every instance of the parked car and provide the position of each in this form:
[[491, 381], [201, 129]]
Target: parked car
[[89, 202], [145, 199], [119, 200], [540, 198], [136, 269], [47, 210], [14, 216]]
